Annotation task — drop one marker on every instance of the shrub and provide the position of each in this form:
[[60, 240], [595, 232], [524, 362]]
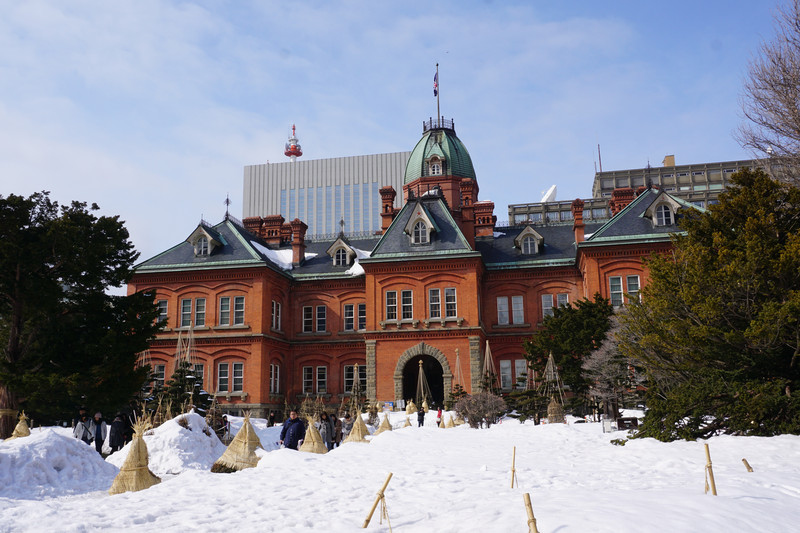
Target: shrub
[[481, 408]]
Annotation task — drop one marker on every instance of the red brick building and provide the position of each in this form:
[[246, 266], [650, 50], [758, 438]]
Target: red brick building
[[275, 316]]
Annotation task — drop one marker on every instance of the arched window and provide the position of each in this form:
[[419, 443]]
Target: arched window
[[420, 233], [435, 168], [663, 216], [202, 246], [340, 258], [528, 245]]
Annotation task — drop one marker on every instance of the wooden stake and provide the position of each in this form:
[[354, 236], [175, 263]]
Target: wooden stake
[[378, 498], [531, 520], [710, 472], [513, 467], [747, 465]]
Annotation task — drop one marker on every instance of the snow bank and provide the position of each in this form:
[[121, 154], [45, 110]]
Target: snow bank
[[173, 448], [47, 464]]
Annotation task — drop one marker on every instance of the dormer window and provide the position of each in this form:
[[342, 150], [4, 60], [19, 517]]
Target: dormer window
[[420, 233], [435, 169], [340, 257], [529, 241], [663, 215], [528, 245], [201, 248], [204, 241]]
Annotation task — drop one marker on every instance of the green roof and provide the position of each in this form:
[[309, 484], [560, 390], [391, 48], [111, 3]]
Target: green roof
[[444, 143]]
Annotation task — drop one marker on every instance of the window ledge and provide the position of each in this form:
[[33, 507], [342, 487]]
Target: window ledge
[[397, 323], [512, 326], [228, 395], [459, 320], [314, 333], [237, 326], [273, 330]]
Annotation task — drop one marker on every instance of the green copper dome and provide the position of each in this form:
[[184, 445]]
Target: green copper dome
[[441, 142]]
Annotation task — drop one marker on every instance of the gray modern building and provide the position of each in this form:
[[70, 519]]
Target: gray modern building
[[699, 184], [323, 192]]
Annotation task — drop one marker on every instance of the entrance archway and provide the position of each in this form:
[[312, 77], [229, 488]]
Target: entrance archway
[[409, 361], [433, 374]]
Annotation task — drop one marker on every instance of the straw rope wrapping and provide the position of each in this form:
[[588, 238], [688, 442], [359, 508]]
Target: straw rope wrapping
[[385, 425], [384, 514], [241, 451], [359, 431], [313, 440], [135, 474], [22, 429]]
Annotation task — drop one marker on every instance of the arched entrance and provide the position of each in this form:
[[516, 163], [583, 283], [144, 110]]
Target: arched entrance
[[436, 368], [433, 374]]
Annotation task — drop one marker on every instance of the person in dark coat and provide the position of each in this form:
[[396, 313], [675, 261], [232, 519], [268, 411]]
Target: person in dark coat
[[293, 431], [116, 437], [337, 430], [99, 430], [421, 417]]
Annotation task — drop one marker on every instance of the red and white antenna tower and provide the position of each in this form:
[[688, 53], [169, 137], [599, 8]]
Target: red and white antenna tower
[[293, 150]]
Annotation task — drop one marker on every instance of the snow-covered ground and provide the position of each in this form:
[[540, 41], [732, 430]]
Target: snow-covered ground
[[444, 480]]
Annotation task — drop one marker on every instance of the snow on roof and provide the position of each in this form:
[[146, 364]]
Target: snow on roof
[[357, 269], [282, 258]]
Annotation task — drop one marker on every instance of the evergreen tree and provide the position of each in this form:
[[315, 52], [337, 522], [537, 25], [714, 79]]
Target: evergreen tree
[[718, 328], [571, 333], [65, 342], [185, 391]]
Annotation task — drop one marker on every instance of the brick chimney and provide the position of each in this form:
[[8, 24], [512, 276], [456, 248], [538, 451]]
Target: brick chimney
[[298, 229], [620, 198], [271, 229], [253, 225], [577, 217], [388, 212], [286, 233], [484, 219]]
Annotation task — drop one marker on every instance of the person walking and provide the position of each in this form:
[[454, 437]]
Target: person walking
[[324, 428], [337, 430], [439, 417], [116, 437], [293, 431], [421, 417], [82, 429], [347, 426], [99, 430]]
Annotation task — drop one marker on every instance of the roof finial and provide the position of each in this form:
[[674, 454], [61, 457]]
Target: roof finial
[[341, 226], [227, 203]]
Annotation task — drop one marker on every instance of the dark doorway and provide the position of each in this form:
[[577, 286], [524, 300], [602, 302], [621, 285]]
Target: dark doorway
[[433, 373]]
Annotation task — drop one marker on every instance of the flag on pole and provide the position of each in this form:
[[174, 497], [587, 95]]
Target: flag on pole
[[436, 84]]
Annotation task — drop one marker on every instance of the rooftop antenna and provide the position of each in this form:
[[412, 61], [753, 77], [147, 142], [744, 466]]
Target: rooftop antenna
[[599, 158], [436, 93]]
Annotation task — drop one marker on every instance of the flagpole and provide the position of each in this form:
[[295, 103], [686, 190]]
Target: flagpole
[[438, 90]]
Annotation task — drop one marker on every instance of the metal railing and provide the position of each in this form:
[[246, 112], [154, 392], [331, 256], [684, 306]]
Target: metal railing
[[438, 123]]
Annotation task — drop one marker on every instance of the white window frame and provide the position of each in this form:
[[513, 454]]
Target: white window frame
[[223, 377], [322, 380], [362, 317], [420, 233], [502, 310], [435, 168], [163, 312], [276, 315], [199, 312], [308, 319], [450, 302], [348, 377], [308, 380], [562, 299], [159, 375], [547, 305], [321, 318], [391, 305], [615, 291], [664, 215], [238, 377], [348, 317], [186, 313], [632, 292], [517, 309], [434, 303], [274, 378], [238, 310], [528, 245], [202, 247], [340, 257], [505, 374], [225, 311], [520, 371], [407, 304]]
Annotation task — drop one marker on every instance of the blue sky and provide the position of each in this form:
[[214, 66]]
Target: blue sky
[[152, 109]]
